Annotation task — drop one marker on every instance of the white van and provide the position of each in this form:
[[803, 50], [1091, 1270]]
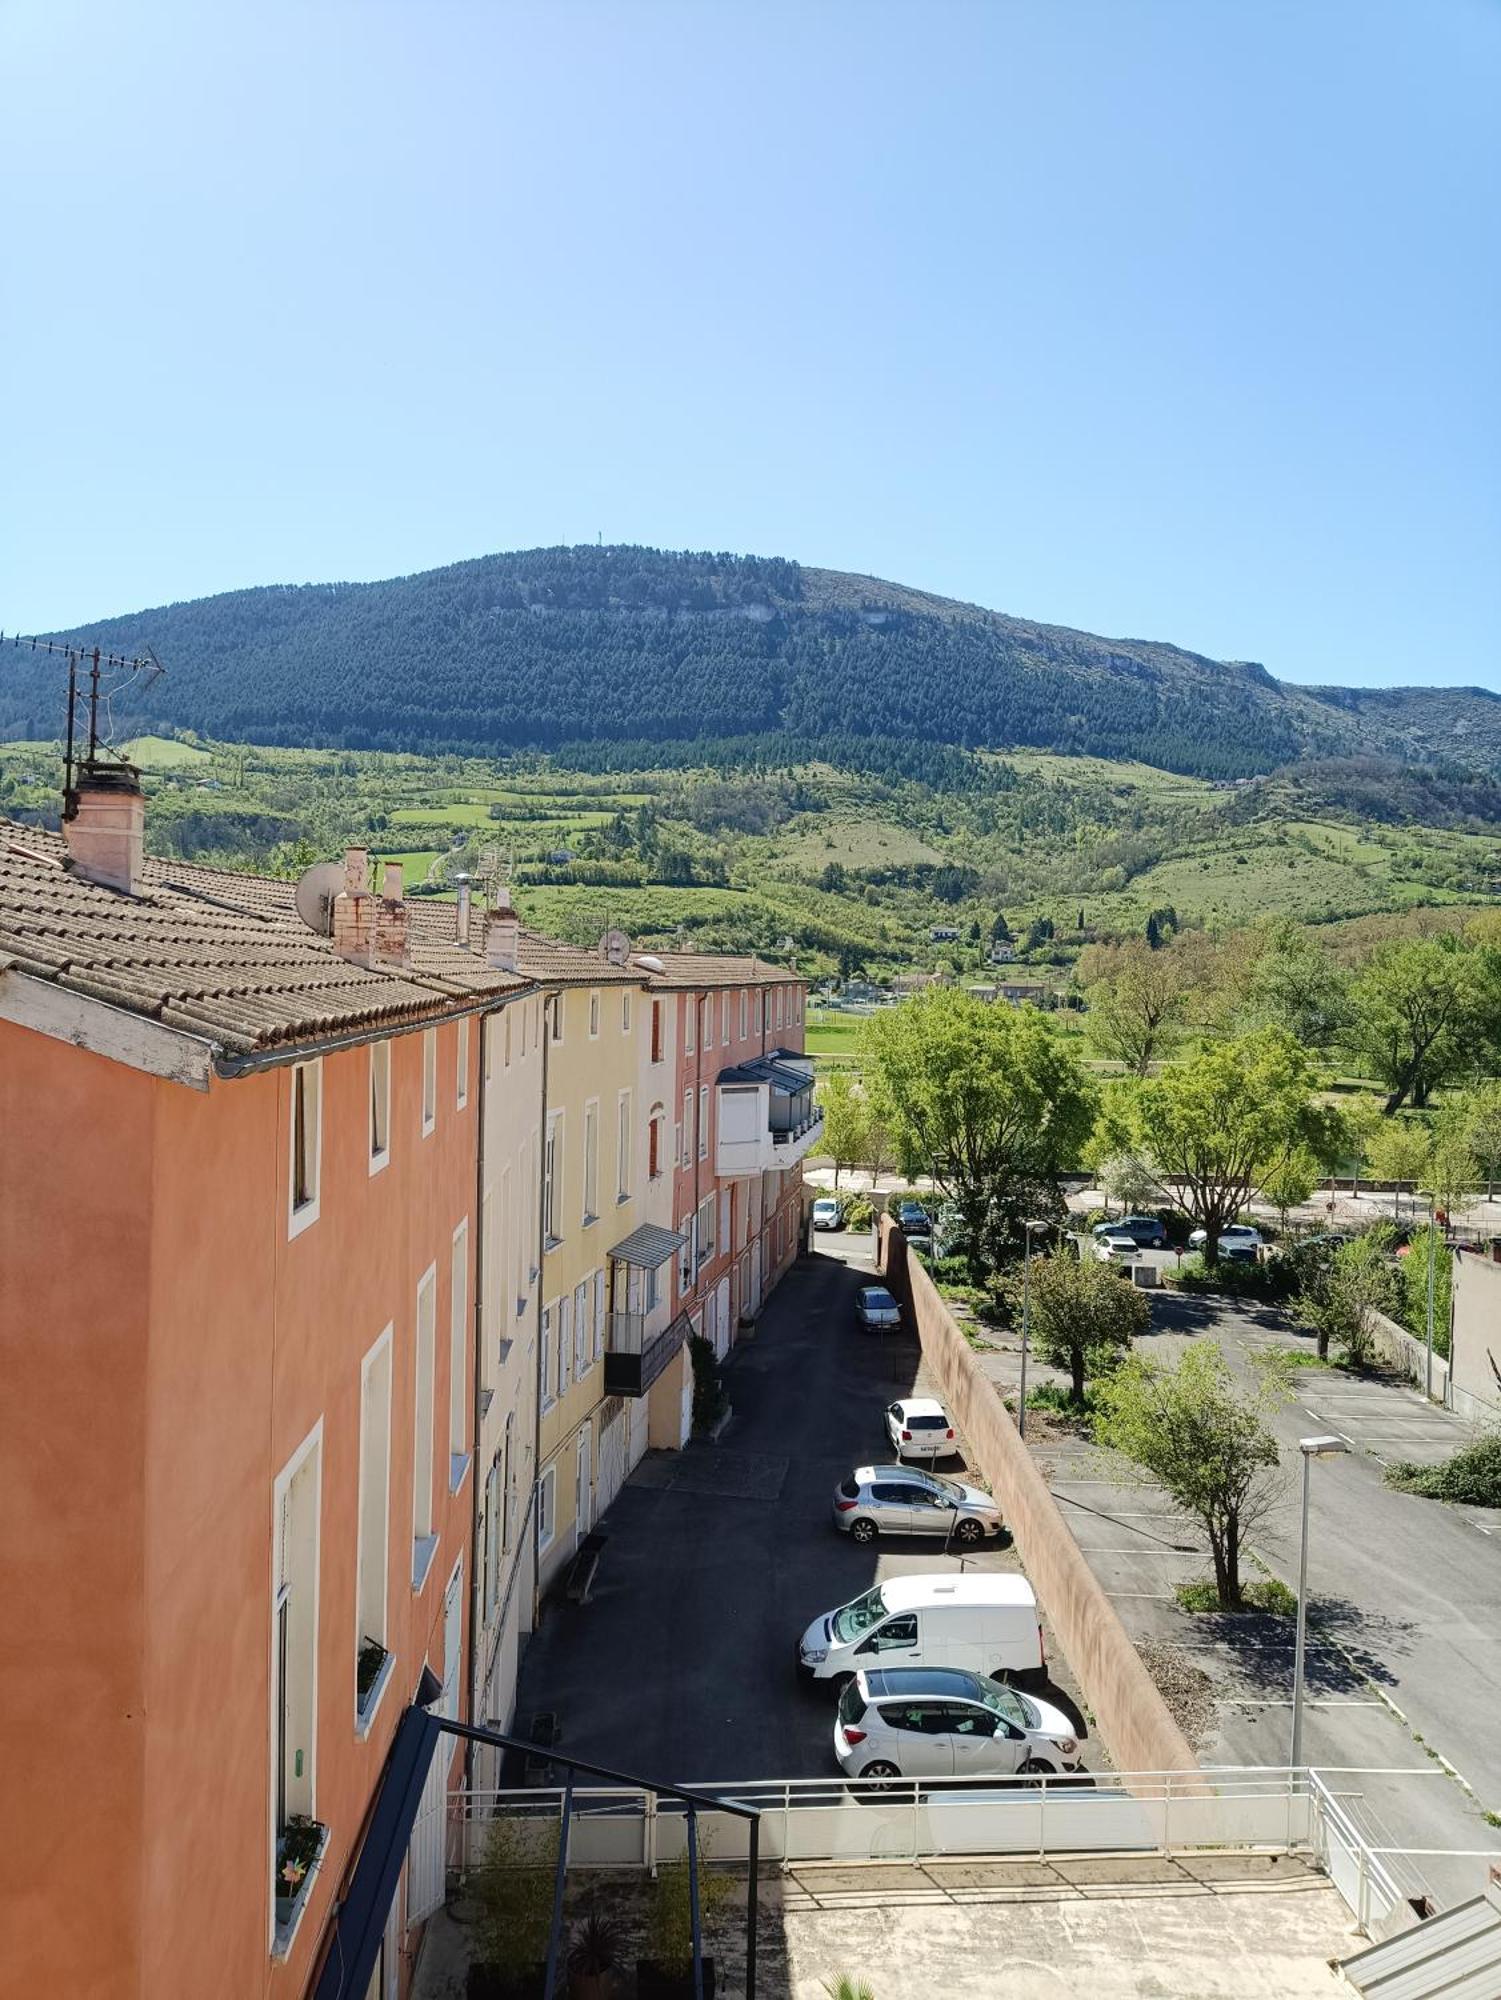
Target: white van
[[987, 1624]]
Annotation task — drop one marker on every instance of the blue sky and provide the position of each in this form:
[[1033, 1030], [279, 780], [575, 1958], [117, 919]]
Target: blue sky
[[1163, 318]]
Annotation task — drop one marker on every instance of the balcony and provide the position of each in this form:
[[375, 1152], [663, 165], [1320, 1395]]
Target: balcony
[[767, 1119], [635, 1358]]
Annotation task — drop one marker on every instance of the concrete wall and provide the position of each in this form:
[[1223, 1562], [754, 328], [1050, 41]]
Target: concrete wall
[[1403, 1351], [1477, 1337], [1131, 1715]]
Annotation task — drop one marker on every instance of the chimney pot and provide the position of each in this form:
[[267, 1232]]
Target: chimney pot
[[356, 871], [390, 882], [461, 908], [106, 828], [503, 938]]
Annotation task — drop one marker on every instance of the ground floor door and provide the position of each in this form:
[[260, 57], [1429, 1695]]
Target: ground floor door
[[755, 1277], [722, 1318], [640, 1423], [611, 1459], [427, 1856], [584, 1485]]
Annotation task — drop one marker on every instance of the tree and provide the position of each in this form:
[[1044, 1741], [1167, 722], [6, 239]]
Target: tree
[[1429, 1245], [1126, 1178], [1421, 1010], [1084, 1316], [1221, 1123], [1290, 1184], [1000, 930], [1137, 998], [1398, 1153], [989, 1098], [1481, 1111], [846, 1121], [1295, 984], [1362, 1120], [1339, 1295], [1209, 1446]]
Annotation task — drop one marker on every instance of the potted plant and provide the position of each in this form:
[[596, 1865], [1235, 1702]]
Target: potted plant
[[298, 1848], [666, 1973], [371, 1659], [513, 1887], [594, 1958]]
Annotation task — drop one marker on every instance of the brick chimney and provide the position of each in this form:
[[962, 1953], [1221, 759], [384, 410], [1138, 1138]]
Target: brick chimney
[[461, 909], [503, 935], [390, 943], [106, 826], [369, 929]]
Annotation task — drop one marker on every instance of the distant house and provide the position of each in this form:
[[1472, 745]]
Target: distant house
[[1001, 954], [914, 982], [560, 857], [1018, 992], [944, 933]]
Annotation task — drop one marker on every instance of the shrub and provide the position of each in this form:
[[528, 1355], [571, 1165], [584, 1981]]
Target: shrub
[[709, 1400], [1058, 1399], [1270, 1594], [669, 1922], [858, 1212], [1235, 1281], [1471, 1478], [1412, 1304], [513, 1887]]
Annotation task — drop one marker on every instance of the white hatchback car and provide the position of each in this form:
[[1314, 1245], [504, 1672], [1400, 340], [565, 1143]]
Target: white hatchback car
[[919, 1428], [941, 1722], [1116, 1248], [1240, 1242], [826, 1213]]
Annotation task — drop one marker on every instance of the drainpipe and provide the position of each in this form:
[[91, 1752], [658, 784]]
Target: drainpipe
[[698, 1084], [480, 1276], [536, 1511]]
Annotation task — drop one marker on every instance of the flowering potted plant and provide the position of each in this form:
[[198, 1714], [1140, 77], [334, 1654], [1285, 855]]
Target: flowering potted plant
[[299, 1847]]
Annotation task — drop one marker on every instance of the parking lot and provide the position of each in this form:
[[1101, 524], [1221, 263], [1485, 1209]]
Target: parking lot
[[682, 1664]]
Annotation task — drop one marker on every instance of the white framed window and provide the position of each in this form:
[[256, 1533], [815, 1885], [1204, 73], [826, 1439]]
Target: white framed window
[[687, 1127], [306, 1141], [779, 1006], [599, 1313], [594, 1014], [625, 1010], [372, 1558], [657, 1044], [706, 1229], [549, 1395], [656, 1143], [724, 1020], [429, 1080], [724, 1219], [552, 1180], [744, 1011], [623, 1143], [591, 1161], [508, 1518], [462, 1094], [761, 1013], [703, 1121], [547, 1509], [424, 1541], [649, 1289], [506, 1019], [705, 1023], [565, 1342], [690, 1015], [296, 1509], [492, 1528], [583, 1329], [380, 1105], [555, 1008], [458, 1357], [687, 1256]]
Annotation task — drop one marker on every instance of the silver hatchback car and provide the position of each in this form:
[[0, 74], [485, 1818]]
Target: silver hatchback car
[[901, 1500]]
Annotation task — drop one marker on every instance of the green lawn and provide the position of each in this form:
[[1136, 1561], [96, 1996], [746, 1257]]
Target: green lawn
[[163, 753]]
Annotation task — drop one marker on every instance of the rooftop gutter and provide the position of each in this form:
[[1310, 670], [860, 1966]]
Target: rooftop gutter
[[252, 1061]]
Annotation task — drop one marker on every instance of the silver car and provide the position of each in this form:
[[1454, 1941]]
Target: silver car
[[913, 1722], [877, 1311], [901, 1500]]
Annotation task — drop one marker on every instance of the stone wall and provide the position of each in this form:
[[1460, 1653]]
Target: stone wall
[[1131, 1716]]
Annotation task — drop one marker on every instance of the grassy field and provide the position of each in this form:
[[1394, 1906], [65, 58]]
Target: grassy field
[[164, 753]]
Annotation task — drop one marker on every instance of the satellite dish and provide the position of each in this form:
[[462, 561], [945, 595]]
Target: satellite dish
[[649, 962], [315, 893], [614, 947]]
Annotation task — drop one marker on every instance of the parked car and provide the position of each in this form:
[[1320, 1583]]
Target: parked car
[[986, 1624], [906, 1722], [901, 1500], [913, 1219], [1147, 1232], [877, 1311], [1114, 1249], [1240, 1243], [827, 1214], [919, 1428]]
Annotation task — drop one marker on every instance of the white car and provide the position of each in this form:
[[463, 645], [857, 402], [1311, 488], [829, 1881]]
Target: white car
[[919, 1428], [1239, 1241], [826, 1214], [1116, 1248], [941, 1722]]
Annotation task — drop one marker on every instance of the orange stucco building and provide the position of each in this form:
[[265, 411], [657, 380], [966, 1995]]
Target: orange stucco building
[[237, 1267]]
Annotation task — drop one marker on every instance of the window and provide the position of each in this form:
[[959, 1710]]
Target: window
[[508, 1519], [380, 1105], [599, 1314], [705, 1023], [591, 1160], [565, 1342], [656, 1031], [463, 1064], [724, 1219], [552, 1181], [688, 1019], [744, 1011], [703, 1121], [555, 1008], [655, 1140], [307, 1143], [649, 1289], [583, 1329], [547, 1509], [296, 1505], [594, 1015], [706, 1230], [458, 1345], [490, 1548], [779, 1007], [424, 1541], [688, 1230], [506, 1017], [724, 1019], [623, 1148], [687, 1127], [429, 1080], [548, 1397], [625, 1010], [760, 1013], [374, 1514]]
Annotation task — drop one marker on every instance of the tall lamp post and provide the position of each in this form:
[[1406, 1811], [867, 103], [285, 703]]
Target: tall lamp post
[[1311, 1448], [1021, 1406], [1432, 1256]]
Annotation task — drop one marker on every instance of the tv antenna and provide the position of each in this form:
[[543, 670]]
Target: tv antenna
[[108, 674]]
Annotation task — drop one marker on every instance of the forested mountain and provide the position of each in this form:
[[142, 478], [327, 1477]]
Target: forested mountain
[[601, 646]]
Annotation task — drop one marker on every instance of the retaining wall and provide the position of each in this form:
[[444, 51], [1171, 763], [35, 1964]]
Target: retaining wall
[[1403, 1351], [1131, 1715]]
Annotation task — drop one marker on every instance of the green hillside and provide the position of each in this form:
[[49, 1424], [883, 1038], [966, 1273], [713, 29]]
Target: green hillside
[[688, 658]]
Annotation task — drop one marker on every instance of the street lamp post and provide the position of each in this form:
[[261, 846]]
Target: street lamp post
[[1021, 1406], [1432, 1254], [1311, 1448]]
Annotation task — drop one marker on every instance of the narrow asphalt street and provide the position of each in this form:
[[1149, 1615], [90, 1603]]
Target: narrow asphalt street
[[682, 1664]]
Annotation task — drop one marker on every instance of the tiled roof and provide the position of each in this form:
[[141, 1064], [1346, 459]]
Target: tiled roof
[[705, 968], [550, 962], [221, 955]]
